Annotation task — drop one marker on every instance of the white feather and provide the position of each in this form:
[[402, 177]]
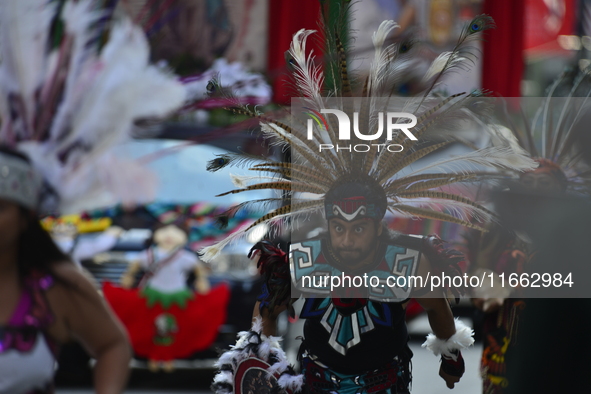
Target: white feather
[[501, 158], [105, 181], [309, 77], [224, 377], [48, 164], [271, 129], [439, 64], [103, 95], [502, 136], [457, 209], [544, 110], [379, 70], [243, 340], [267, 347], [582, 109], [264, 350], [225, 358], [276, 341], [278, 367], [257, 325], [242, 181], [24, 32], [238, 180], [294, 383], [83, 66], [126, 89], [209, 253]]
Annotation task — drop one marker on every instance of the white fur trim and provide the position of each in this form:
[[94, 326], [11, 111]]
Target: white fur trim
[[264, 350], [225, 358], [224, 377], [265, 347], [278, 367], [276, 341], [459, 341], [257, 325], [291, 382]]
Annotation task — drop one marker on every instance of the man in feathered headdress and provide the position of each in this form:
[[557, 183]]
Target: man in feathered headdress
[[355, 335], [529, 211], [358, 334]]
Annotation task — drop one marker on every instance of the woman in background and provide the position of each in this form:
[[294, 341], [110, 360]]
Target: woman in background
[[46, 300]]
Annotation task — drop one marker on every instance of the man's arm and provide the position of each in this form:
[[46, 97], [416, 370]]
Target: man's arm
[[273, 264], [444, 327], [442, 323], [440, 317], [269, 319]]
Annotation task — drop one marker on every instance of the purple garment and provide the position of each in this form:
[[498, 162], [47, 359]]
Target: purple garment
[[31, 315]]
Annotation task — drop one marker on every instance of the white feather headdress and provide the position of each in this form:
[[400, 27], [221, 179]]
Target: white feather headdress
[[424, 193], [68, 95], [553, 134]]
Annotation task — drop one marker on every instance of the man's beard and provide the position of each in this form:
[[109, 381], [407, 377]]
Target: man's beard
[[356, 255]]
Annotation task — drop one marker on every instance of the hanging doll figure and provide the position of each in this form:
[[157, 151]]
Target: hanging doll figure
[[66, 231], [165, 318]]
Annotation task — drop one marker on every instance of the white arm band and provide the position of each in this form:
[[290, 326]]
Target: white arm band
[[459, 341]]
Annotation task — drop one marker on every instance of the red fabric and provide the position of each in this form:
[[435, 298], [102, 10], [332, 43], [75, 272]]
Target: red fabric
[[285, 19], [413, 309], [502, 66], [197, 324], [544, 22]]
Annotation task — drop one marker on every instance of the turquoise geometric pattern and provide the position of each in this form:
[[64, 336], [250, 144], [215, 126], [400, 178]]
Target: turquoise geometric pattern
[[345, 330], [311, 271]]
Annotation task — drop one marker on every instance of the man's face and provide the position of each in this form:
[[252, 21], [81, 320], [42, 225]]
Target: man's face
[[353, 241], [540, 182]]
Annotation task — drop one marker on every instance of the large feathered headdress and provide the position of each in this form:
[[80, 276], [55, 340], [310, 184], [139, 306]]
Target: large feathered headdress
[[553, 134], [376, 181], [72, 86]]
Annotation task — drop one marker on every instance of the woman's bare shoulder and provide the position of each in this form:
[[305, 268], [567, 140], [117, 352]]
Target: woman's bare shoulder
[[72, 280], [79, 309], [68, 270]]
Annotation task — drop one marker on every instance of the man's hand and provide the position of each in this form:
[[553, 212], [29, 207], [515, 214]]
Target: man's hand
[[452, 370], [450, 380]]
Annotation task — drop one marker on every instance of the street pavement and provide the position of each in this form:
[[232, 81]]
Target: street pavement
[[425, 377]]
